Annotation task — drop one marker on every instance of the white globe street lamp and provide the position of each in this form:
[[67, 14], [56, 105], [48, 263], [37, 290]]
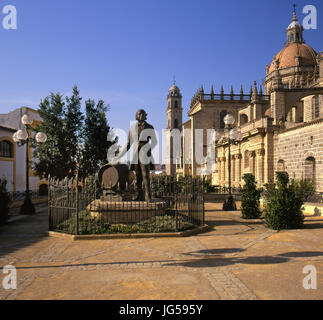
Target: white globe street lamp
[[27, 120], [22, 137], [15, 137], [41, 137], [234, 137], [229, 120]]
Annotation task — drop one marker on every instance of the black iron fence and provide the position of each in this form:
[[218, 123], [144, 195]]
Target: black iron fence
[[21, 195], [316, 197], [79, 207], [222, 190]]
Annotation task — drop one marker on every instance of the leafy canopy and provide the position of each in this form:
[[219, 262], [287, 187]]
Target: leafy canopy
[[76, 142]]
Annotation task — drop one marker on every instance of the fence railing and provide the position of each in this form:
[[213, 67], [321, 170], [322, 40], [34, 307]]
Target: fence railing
[[21, 195], [315, 198], [223, 190], [177, 205]]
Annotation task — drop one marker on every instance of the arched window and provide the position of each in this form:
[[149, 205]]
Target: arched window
[[176, 104], [281, 166], [176, 124], [222, 116], [310, 169], [316, 107], [6, 149], [243, 119]]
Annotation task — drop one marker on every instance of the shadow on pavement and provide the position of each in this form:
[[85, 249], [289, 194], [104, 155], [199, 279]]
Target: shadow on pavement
[[210, 262], [215, 251], [227, 261], [24, 232]]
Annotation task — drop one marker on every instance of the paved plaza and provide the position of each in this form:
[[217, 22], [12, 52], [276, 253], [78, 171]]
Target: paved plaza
[[236, 259]]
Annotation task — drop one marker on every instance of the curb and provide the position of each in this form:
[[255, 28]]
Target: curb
[[188, 233], [16, 218]]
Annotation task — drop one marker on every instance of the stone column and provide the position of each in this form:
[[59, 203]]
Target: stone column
[[219, 170], [260, 166], [233, 171], [253, 163], [238, 162]]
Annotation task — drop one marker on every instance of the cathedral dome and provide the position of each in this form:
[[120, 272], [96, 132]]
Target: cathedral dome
[[287, 57]]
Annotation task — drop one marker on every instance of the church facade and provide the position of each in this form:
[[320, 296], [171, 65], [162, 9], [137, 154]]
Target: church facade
[[281, 125]]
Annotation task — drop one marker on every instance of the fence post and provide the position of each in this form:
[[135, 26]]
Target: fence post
[[176, 213], [77, 203], [203, 207], [49, 204]]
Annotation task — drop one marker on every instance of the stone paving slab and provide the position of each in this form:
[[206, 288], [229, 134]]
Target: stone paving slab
[[236, 259]]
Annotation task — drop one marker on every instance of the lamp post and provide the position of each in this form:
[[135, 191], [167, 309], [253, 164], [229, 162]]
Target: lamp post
[[23, 137], [233, 138]]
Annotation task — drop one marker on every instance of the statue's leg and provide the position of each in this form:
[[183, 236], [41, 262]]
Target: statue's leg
[[146, 181], [139, 179]]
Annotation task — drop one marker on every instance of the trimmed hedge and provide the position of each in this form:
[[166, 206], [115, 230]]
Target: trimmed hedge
[[250, 198], [284, 202]]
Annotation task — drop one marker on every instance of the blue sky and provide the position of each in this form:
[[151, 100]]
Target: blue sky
[[126, 52]]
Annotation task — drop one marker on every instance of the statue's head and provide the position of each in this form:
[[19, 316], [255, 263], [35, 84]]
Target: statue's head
[[141, 115]]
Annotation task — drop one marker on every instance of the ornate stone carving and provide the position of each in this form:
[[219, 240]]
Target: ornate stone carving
[[261, 152], [252, 154]]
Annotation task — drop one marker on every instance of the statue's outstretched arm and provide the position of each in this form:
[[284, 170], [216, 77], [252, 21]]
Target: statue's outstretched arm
[[127, 147]]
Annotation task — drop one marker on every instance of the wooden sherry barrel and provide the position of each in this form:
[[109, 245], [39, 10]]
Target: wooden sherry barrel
[[111, 177]]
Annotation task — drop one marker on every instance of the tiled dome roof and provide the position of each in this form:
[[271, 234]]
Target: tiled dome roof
[[286, 57]]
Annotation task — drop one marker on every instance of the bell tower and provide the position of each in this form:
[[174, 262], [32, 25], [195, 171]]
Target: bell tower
[[174, 121], [174, 108], [294, 30]]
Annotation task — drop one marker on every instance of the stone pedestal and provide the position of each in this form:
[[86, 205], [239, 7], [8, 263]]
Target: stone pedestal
[[125, 212]]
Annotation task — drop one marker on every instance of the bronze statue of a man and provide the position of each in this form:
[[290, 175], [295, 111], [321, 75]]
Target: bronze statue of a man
[[142, 136]]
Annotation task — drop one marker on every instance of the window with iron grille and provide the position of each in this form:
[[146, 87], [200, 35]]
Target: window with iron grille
[[6, 149], [317, 107]]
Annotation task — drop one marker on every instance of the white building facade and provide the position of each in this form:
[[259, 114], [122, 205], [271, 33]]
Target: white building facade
[[13, 157]]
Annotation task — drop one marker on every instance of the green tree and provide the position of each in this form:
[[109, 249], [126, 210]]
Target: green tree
[[52, 156], [73, 123], [284, 201], [75, 143], [95, 137], [250, 196]]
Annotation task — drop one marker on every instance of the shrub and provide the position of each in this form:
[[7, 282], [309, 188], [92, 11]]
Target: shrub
[[250, 197], [304, 188], [170, 185], [208, 188], [4, 202], [284, 201]]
